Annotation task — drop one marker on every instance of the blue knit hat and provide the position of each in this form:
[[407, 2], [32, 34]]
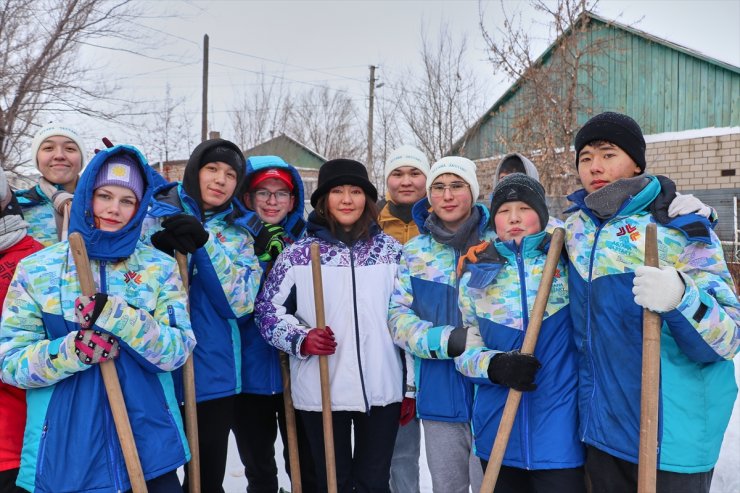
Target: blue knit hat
[[121, 170]]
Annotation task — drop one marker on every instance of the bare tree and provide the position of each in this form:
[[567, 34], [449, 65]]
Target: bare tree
[[169, 132], [262, 114], [441, 104], [326, 121], [387, 136], [553, 88], [39, 71]]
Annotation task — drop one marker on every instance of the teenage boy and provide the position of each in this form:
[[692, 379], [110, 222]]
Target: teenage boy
[[498, 290], [405, 178], [609, 287], [57, 152], [271, 201], [197, 218], [424, 311]]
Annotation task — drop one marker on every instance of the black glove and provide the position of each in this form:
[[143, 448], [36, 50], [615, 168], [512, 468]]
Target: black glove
[[182, 232], [269, 242], [456, 342], [515, 370], [88, 309]]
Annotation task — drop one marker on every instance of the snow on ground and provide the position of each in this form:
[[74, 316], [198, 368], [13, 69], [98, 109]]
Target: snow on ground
[[726, 475]]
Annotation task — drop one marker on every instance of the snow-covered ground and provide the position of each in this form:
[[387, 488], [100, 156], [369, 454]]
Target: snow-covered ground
[[726, 475]]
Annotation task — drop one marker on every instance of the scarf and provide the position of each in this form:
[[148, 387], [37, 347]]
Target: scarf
[[12, 230], [59, 199], [402, 212], [606, 201], [462, 239]]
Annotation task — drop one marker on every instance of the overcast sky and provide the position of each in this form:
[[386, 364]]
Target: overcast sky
[[333, 42]]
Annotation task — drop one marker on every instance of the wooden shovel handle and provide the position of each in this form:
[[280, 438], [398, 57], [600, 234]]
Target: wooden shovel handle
[[528, 345], [191, 410], [296, 484], [318, 293], [648, 451], [110, 376]]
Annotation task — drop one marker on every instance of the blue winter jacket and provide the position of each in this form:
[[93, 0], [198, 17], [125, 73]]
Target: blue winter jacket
[[224, 277], [423, 312], [260, 361], [497, 296], [70, 442], [699, 337]]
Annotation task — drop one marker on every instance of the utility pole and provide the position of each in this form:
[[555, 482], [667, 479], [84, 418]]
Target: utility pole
[[370, 123], [204, 117]]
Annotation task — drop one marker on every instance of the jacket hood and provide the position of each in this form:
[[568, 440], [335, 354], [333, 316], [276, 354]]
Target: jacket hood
[[294, 224], [420, 212], [191, 179], [529, 167], [107, 245]]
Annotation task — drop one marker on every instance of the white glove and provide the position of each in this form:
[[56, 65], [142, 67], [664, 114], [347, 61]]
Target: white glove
[[688, 204], [658, 290]]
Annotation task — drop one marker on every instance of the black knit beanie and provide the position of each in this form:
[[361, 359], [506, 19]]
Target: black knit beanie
[[520, 187], [616, 128], [211, 151], [343, 172]]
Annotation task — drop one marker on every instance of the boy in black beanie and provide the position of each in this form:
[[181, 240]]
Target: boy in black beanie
[[610, 287], [497, 293]]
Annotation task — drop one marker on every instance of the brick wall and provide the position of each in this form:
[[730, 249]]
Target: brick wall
[[697, 164]]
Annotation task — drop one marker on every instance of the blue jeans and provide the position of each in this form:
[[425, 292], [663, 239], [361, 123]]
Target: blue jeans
[[405, 462]]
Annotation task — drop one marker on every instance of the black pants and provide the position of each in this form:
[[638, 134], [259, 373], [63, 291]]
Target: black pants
[[7, 482], [166, 483], [515, 480], [609, 474], [256, 423], [366, 469], [215, 420]]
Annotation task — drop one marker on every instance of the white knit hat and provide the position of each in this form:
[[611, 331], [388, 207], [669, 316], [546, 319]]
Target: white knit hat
[[406, 155], [460, 166], [51, 130]]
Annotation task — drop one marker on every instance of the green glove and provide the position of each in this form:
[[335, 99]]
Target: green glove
[[269, 242]]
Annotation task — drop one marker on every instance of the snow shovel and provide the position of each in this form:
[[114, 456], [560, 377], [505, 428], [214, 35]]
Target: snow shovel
[[318, 294], [191, 412], [110, 376], [648, 452], [530, 341], [290, 424]]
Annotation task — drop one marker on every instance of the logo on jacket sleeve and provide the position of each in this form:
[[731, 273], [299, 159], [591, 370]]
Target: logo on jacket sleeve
[[630, 230]]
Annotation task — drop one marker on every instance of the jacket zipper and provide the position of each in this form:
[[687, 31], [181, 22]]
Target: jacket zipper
[[588, 329], [524, 409], [458, 323], [357, 328], [110, 426]]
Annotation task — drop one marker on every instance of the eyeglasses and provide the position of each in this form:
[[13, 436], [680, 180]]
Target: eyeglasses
[[281, 196], [456, 188]]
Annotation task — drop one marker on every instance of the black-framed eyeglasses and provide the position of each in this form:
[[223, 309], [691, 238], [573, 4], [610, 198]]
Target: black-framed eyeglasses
[[281, 196]]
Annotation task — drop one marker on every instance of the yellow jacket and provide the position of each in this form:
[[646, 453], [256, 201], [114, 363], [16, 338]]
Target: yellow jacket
[[395, 227]]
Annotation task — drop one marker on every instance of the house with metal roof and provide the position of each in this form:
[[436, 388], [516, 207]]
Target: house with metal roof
[[688, 105]]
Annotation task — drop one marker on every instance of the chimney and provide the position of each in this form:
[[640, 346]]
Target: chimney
[[214, 134]]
